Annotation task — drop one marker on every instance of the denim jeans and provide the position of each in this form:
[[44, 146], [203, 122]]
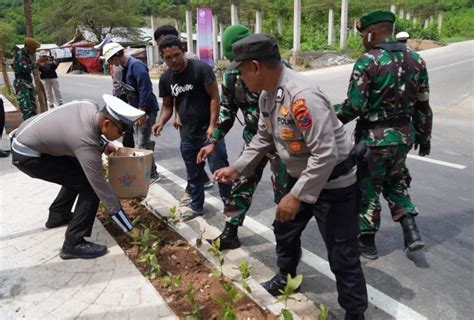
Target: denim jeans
[[143, 134], [195, 171]]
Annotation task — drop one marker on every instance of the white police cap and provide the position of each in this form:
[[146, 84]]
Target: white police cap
[[403, 35], [121, 110]]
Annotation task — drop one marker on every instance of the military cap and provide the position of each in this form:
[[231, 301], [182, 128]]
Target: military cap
[[122, 111], [403, 35], [253, 47], [231, 35], [375, 17], [32, 43]]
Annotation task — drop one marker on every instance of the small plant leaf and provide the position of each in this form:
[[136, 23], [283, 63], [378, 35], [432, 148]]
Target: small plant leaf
[[286, 314]]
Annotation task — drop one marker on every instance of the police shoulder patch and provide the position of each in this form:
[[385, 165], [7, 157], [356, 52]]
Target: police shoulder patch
[[279, 94]]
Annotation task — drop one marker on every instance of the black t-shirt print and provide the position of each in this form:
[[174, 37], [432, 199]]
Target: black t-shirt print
[[192, 100]]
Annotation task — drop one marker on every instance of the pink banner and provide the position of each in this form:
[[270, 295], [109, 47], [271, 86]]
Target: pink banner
[[204, 35]]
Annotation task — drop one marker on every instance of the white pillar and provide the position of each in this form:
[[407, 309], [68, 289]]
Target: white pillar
[[280, 25], [408, 16], [152, 59], [440, 20], [189, 30], [354, 30], [343, 38], [414, 21], [426, 23], [215, 43], [331, 26], [258, 21], [176, 24], [402, 13], [431, 20], [234, 14], [296, 26], [221, 31], [393, 8]]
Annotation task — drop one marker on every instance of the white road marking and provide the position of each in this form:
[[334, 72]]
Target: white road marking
[[450, 65], [376, 297], [441, 163], [88, 85]]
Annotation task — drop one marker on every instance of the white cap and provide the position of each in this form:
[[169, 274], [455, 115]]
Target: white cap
[[121, 110], [110, 49], [403, 35]]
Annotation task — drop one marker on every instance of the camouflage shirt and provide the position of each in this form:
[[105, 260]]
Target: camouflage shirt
[[23, 66], [235, 96], [387, 85]]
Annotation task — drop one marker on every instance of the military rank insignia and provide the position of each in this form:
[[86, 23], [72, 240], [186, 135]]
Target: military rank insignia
[[287, 133], [300, 111], [279, 94], [284, 111], [295, 146]]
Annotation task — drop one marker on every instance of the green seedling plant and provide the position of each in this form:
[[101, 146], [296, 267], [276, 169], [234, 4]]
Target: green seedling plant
[[201, 236], [148, 243], [227, 303], [323, 312], [136, 203], [292, 284], [173, 217], [190, 297], [219, 256], [170, 280], [245, 269]]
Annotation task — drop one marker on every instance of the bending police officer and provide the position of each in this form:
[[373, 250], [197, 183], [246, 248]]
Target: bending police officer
[[297, 119], [65, 146]]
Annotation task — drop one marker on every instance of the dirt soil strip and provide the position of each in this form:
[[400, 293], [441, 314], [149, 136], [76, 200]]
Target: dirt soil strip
[[159, 202]]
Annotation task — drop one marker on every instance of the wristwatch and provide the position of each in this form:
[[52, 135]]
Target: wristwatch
[[213, 141]]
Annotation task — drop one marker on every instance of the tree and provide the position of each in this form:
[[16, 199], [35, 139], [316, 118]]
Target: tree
[[38, 84], [117, 17], [6, 32]]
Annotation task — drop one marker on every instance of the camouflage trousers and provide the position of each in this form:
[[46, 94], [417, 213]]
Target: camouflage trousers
[[25, 94], [242, 191], [388, 176]]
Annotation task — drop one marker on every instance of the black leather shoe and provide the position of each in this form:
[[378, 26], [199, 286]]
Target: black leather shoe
[[353, 316], [4, 153], [411, 234], [58, 222], [275, 284], [83, 250], [367, 246]]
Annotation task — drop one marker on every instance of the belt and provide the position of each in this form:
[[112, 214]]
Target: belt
[[387, 123], [343, 168], [20, 148]]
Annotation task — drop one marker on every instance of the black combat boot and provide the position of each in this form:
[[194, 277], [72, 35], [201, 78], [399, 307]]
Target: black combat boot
[[411, 234], [82, 250], [367, 246], [229, 238], [353, 316], [275, 284]]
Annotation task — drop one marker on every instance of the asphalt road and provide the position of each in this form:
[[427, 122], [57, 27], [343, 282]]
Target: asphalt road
[[436, 283]]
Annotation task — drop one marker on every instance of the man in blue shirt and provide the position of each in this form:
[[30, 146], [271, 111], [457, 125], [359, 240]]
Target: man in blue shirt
[[139, 92]]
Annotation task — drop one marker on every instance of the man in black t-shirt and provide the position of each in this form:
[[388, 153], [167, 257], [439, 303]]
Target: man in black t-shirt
[[193, 86]]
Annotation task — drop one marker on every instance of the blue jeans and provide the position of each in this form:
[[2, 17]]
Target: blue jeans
[[195, 171], [143, 135]]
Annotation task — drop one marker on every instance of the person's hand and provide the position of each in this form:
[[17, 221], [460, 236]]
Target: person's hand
[[287, 208], [140, 121], [156, 129], [177, 122], [109, 148], [204, 153], [425, 148], [226, 175], [210, 130]]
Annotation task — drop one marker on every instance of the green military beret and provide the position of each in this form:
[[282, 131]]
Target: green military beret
[[233, 34], [375, 17], [32, 43]]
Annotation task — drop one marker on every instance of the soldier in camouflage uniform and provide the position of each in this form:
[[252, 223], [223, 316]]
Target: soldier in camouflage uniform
[[23, 83], [389, 93], [235, 96]]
